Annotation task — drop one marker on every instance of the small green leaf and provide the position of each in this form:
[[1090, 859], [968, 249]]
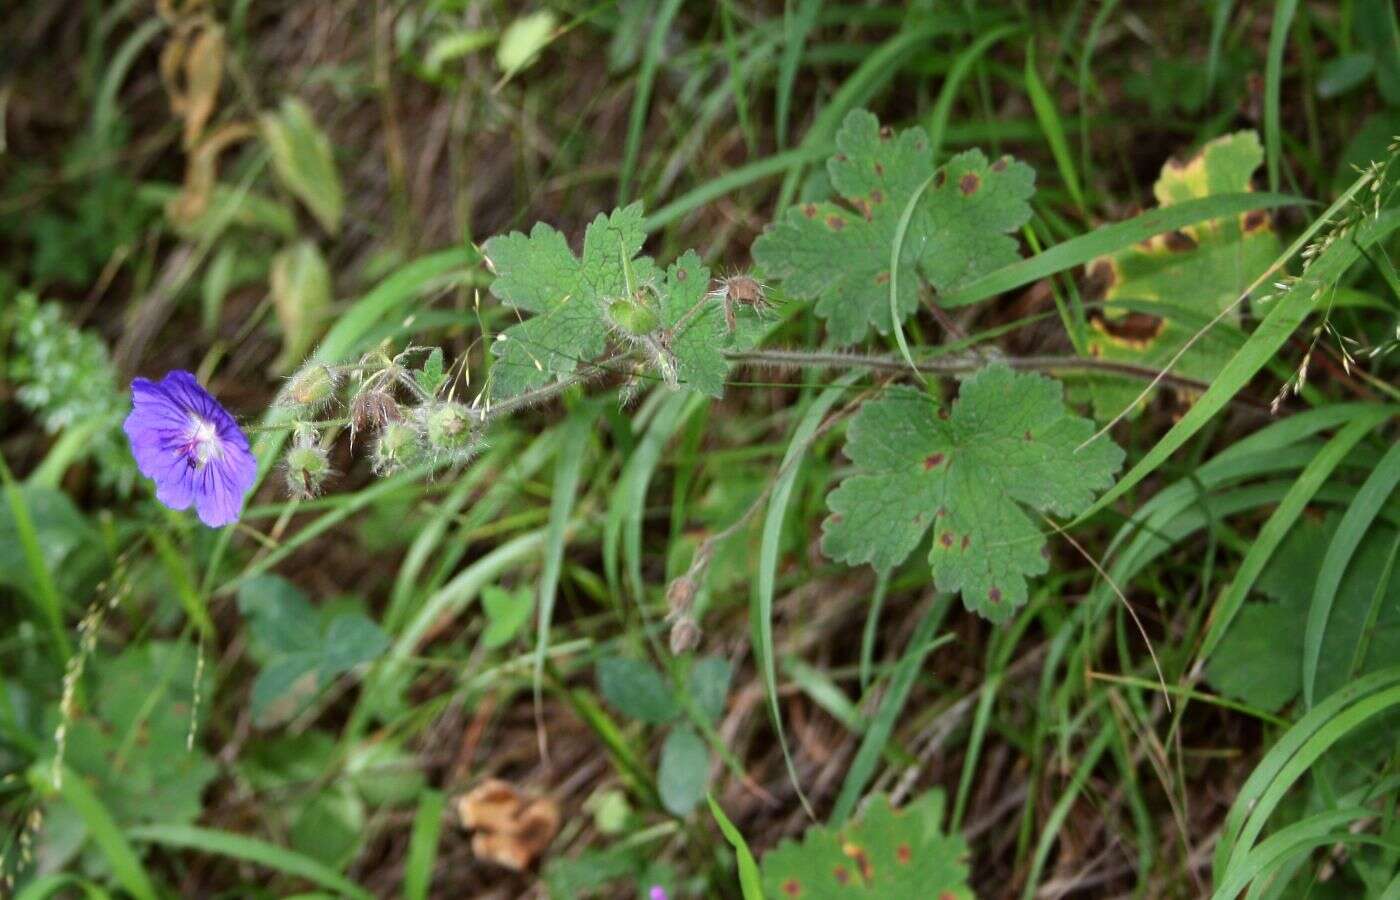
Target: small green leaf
[[301, 296], [280, 618], [302, 158], [431, 376], [1344, 73], [636, 689], [351, 639], [1007, 443], [284, 687], [839, 255], [506, 613], [670, 319], [684, 773], [523, 40], [568, 295], [301, 650], [886, 854], [708, 685]]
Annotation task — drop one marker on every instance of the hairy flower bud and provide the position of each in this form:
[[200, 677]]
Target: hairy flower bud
[[310, 389], [398, 447], [450, 429], [307, 468], [372, 409], [680, 594], [633, 316], [685, 635]]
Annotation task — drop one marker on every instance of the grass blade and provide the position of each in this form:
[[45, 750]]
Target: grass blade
[[749, 881], [1353, 527], [877, 736], [423, 846], [1048, 116], [641, 97], [107, 834], [957, 73], [796, 28], [253, 850], [1290, 757], [1284, 518], [761, 611], [1284, 11], [45, 594]]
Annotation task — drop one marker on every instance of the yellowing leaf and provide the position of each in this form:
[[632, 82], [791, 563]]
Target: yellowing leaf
[[1007, 443], [301, 295], [302, 158], [1159, 293]]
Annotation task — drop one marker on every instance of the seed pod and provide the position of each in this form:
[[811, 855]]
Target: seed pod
[[680, 594], [310, 389], [398, 447], [633, 317], [449, 428], [307, 468], [372, 409], [685, 635]]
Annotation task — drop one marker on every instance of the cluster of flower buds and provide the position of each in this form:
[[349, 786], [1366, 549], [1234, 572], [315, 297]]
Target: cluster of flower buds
[[401, 411], [680, 602]]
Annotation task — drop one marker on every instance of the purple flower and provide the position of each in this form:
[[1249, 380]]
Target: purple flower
[[658, 892], [190, 446]]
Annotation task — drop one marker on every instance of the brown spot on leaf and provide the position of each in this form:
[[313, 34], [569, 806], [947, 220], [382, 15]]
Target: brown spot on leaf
[[841, 874], [1101, 277], [946, 539], [967, 540], [835, 222], [835, 518], [932, 460], [791, 887], [969, 183], [882, 278], [880, 169], [903, 854], [994, 595], [940, 178], [861, 858], [863, 206], [809, 210], [1255, 220], [999, 165], [1135, 329], [841, 157], [1179, 241], [1028, 436], [877, 196]]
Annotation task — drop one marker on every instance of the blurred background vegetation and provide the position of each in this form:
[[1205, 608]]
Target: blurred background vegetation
[[300, 702]]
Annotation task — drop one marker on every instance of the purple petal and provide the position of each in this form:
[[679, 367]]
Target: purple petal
[[162, 426]]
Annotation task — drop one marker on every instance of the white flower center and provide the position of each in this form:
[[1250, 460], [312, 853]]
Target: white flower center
[[204, 442]]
